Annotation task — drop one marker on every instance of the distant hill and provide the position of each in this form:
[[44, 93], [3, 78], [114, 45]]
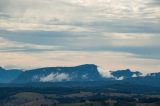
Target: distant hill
[[82, 74], [7, 76], [123, 74], [87, 72]]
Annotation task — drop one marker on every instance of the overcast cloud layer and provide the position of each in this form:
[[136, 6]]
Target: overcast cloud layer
[[113, 34]]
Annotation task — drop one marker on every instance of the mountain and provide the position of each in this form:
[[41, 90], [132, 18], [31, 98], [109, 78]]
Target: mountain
[[155, 75], [152, 79], [87, 72], [123, 74], [7, 76], [136, 77]]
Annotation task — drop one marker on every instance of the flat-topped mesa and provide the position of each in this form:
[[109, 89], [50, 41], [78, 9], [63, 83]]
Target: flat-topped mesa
[[86, 72]]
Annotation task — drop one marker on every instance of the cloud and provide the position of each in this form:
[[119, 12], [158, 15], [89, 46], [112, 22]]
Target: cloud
[[104, 73], [55, 77], [142, 45], [13, 46], [134, 75], [36, 31], [120, 78], [39, 15], [77, 15], [128, 36], [14, 26]]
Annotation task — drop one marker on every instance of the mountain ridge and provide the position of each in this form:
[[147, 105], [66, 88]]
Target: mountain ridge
[[53, 74], [81, 73]]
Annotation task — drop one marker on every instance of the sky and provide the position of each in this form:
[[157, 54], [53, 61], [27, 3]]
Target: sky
[[113, 34]]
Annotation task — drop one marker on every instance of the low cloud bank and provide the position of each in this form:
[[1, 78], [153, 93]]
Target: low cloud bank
[[55, 77], [104, 73]]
